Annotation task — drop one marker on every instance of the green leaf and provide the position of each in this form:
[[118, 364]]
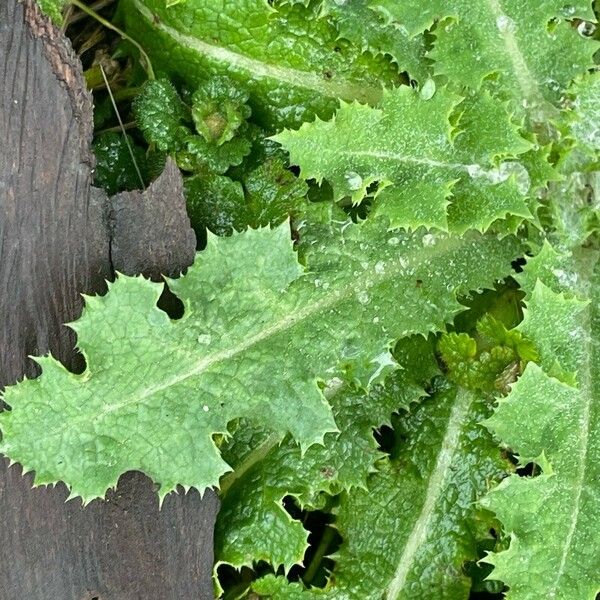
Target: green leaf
[[219, 109], [53, 8], [470, 369], [251, 42], [160, 115], [556, 270], [166, 122], [532, 49], [560, 354], [413, 16], [216, 202], [585, 113], [273, 193], [266, 195], [367, 30], [115, 169], [155, 391], [409, 535], [554, 550], [408, 147], [252, 524]]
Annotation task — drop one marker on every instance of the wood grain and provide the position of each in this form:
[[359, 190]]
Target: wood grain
[[59, 237]]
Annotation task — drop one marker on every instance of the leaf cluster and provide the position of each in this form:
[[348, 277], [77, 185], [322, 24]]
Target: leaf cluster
[[387, 362]]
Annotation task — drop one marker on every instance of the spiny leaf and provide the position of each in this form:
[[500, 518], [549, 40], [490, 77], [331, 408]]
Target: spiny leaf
[[408, 147], [584, 116], [255, 337], [532, 49], [554, 550], [409, 535], [364, 27], [414, 16], [252, 524]]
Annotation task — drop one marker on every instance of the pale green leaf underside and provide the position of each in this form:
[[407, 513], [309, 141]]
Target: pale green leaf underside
[[255, 337], [553, 518], [409, 534], [407, 146]]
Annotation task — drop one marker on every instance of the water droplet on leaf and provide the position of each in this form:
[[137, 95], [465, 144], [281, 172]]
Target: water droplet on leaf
[[354, 180], [586, 29], [505, 24], [568, 10], [363, 297], [428, 239], [428, 89]]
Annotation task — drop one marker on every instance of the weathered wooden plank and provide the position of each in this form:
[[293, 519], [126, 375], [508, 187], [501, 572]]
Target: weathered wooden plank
[[57, 234]]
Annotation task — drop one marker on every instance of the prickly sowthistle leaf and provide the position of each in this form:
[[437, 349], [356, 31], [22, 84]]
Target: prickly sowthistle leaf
[[420, 163], [552, 418], [256, 335], [419, 116]]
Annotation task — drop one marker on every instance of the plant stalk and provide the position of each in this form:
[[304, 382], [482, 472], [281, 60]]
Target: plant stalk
[[145, 59], [315, 563]]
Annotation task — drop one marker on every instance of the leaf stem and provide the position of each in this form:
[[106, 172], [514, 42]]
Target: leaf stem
[[315, 563], [92, 13], [116, 109], [255, 456], [71, 19]]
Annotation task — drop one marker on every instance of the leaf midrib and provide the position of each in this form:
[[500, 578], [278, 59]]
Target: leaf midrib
[[392, 269], [397, 157], [335, 88], [586, 393], [435, 487], [396, 267], [525, 79]]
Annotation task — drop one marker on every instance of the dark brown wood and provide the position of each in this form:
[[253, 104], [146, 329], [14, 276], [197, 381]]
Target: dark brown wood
[[59, 237], [150, 231]]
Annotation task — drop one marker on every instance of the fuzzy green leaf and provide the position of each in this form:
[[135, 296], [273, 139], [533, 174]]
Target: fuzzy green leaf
[[409, 148], [554, 549], [255, 337], [251, 42]]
